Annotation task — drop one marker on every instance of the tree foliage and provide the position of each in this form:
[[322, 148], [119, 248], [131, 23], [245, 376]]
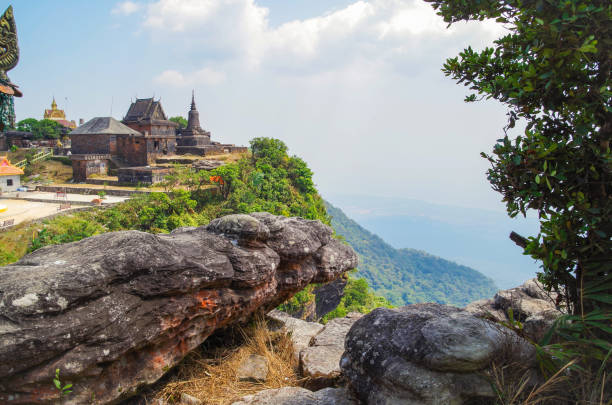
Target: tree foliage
[[553, 71], [181, 121], [43, 129]]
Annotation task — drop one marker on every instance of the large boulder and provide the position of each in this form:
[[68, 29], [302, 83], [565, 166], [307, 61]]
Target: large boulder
[[115, 311], [426, 354], [528, 303]]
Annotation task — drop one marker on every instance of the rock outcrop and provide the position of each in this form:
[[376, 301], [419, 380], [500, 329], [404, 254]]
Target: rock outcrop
[[426, 354], [115, 311], [533, 306]]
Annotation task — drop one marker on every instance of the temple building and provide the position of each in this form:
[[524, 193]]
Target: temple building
[[58, 115], [10, 176], [158, 134], [93, 145]]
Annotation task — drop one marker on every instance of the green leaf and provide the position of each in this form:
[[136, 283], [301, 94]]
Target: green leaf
[[607, 298], [57, 384]]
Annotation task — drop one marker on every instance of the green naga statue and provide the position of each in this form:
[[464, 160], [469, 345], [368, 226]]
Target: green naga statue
[[9, 56]]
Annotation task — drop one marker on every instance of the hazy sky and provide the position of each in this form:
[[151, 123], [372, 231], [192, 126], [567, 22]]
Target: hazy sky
[[353, 87]]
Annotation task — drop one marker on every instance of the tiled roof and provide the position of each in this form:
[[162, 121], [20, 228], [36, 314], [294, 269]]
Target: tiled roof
[[7, 169], [104, 125], [145, 109]]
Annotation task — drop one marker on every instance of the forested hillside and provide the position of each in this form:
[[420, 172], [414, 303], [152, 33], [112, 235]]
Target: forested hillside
[[406, 276]]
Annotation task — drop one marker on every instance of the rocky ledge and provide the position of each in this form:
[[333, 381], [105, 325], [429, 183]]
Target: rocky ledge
[[115, 311]]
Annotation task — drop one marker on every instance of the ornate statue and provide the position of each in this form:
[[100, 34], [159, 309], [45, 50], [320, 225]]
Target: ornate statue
[[9, 56]]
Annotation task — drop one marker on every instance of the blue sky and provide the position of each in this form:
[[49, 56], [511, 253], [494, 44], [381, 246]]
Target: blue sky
[[353, 87]]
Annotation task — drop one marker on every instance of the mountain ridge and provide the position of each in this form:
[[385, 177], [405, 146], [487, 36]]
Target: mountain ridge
[[406, 276]]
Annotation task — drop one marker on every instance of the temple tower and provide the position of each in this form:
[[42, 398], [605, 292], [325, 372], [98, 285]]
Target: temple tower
[[194, 135]]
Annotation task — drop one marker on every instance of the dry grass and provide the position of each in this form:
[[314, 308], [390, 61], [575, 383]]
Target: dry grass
[[226, 157], [211, 375], [52, 171]]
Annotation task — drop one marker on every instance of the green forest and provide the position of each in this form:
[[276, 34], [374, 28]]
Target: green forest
[[407, 276]]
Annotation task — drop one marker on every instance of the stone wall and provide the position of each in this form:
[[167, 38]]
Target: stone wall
[[93, 143], [3, 144], [143, 150], [132, 149], [210, 150], [84, 166], [144, 175]]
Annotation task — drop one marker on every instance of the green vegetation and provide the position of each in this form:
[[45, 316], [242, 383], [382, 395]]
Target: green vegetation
[[358, 297], [408, 276], [268, 181], [554, 71], [181, 121], [43, 129]]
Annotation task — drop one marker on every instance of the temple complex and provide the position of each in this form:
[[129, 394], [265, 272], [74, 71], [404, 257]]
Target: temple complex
[[58, 115], [133, 146]]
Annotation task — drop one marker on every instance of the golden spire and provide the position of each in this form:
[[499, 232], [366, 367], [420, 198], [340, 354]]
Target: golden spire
[[54, 104]]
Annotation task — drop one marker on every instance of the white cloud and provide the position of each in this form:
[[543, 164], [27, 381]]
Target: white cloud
[[205, 76], [239, 31], [126, 8]]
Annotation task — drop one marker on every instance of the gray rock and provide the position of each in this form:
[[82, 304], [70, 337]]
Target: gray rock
[[529, 303], [321, 361], [301, 331], [187, 399], [328, 296], [425, 354], [253, 368], [115, 311], [299, 396]]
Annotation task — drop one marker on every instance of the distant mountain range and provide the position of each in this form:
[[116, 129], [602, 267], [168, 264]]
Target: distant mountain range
[[473, 237], [406, 276]]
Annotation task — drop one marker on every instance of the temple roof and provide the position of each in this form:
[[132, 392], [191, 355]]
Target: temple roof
[[145, 109], [7, 169], [104, 125]]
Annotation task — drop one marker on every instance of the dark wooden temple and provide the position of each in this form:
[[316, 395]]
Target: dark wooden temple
[[157, 133]]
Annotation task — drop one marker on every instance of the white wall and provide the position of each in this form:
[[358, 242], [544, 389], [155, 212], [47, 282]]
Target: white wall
[[6, 188]]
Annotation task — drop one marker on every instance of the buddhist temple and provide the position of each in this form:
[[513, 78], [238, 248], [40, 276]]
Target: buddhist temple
[[10, 176], [58, 115]]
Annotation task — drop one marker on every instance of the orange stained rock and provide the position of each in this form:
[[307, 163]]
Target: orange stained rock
[[170, 323], [159, 362], [207, 298]]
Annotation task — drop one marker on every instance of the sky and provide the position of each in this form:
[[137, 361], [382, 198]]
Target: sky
[[355, 88]]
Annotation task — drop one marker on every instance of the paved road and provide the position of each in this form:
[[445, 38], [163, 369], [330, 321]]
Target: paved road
[[23, 210]]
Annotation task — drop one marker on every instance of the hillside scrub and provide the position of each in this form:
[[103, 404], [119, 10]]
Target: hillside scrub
[[268, 180]]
